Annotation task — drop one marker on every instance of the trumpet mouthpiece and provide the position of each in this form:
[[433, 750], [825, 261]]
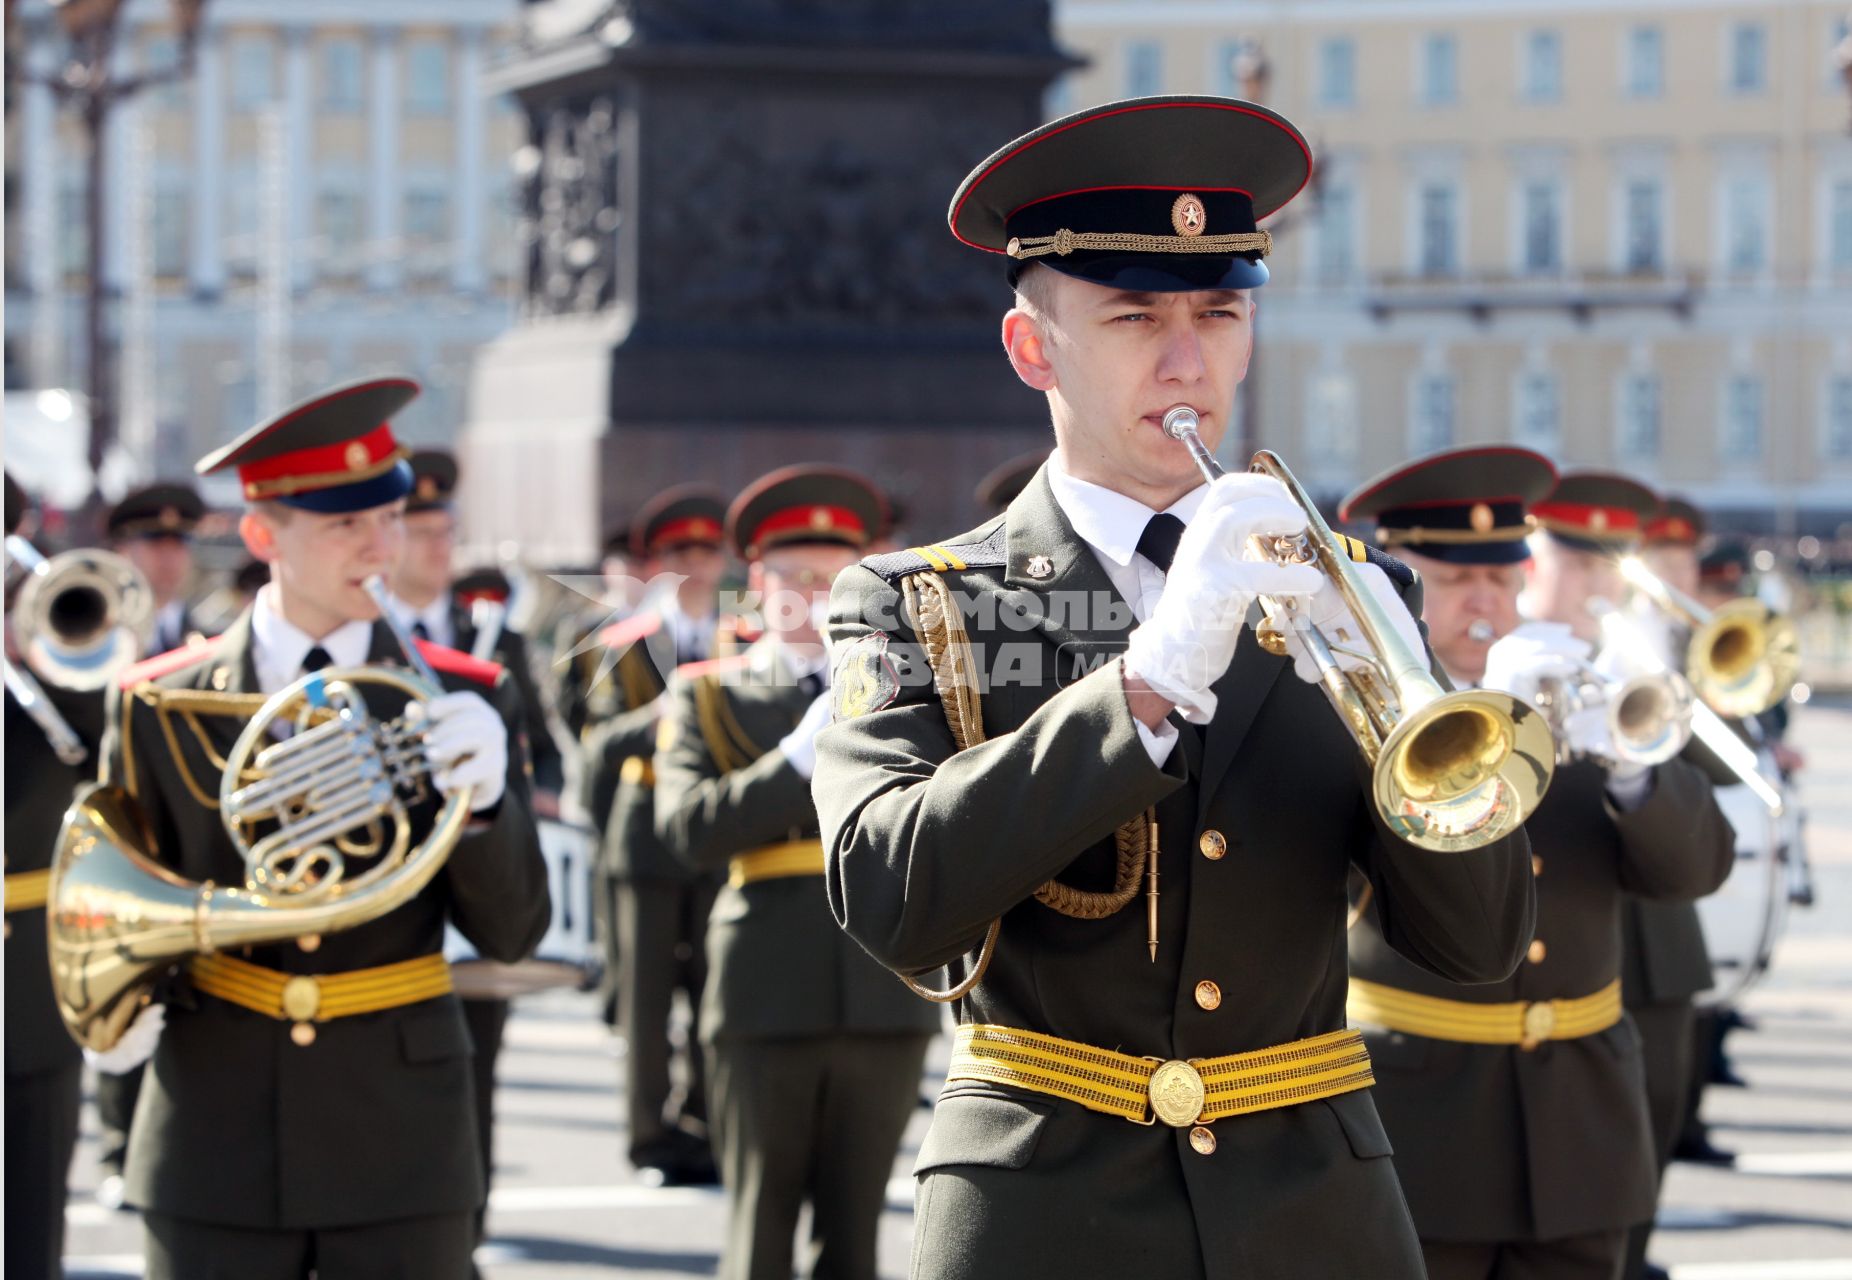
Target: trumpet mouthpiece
[[1180, 421]]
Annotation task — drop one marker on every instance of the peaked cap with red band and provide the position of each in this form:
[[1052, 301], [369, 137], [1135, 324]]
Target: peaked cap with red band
[[1676, 524], [687, 515], [333, 452], [481, 584], [169, 509], [1597, 511], [434, 480], [810, 503], [1465, 506], [1159, 195]]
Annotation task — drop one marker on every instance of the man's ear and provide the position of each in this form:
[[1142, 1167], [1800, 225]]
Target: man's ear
[[1028, 349], [260, 539]]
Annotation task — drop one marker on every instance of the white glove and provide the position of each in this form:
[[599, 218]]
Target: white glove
[[800, 745], [1187, 642], [136, 1045], [468, 746], [1328, 612], [1533, 653]]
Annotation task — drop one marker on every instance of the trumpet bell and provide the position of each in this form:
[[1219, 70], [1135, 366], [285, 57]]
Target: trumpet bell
[[1744, 658], [1464, 769], [82, 618], [1649, 718]]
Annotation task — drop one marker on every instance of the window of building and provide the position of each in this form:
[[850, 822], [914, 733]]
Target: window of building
[[427, 76], [1543, 233], [1059, 100], [1840, 216], [1748, 57], [238, 402], [1837, 444], [243, 222], [1543, 66], [1646, 70], [253, 73], [1431, 427], [1538, 413], [1337, 72], [1639, 417], [338, 231], [170, 229], [1741, 438], [1440, 70], [1745, 225], [427, 215], [1645, 250], [160, 54], [73, 244], [1144, 69], [1331, 404], [342, 67], [1337, 235], [1439, 251]]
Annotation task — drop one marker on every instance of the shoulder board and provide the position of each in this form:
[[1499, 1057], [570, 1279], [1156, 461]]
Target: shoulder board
[[165, 664], [982, 550], [1400, 574], [631, 629], [711, 666], [454, 662]]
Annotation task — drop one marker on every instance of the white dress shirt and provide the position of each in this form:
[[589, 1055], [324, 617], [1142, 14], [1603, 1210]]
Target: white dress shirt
[[693, 637], [168, 624], [1111, 525], [278, 645], [435, 618]]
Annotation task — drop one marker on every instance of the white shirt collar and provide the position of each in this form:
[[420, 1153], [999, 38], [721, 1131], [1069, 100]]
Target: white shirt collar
[[435, 615], [1110, 522], [279, 645]]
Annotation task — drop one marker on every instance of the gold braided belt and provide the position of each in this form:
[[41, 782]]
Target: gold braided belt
[[1525, 1023], [26, 890], [776, 861], [305, 999], [1146, 1090]]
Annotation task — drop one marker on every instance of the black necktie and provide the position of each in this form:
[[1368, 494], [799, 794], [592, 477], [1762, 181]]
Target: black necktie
[[315, 659], [1158, 543], [421, 631]]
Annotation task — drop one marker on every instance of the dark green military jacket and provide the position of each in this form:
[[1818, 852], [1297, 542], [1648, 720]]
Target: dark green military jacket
[[777, 963], [374, 1120], [38, 788], [1495, 1142], [1268, 814], [511, 653]]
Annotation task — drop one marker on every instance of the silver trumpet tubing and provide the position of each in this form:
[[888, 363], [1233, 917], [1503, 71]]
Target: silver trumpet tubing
[[1649, 716], [490, 618], [32, 700]]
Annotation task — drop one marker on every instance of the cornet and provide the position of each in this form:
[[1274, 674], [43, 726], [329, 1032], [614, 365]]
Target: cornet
[[1449, 771], [1743, 657]]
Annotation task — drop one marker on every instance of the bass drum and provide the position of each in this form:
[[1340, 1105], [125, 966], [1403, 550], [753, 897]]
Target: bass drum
[[1744, 919], [566, 956]]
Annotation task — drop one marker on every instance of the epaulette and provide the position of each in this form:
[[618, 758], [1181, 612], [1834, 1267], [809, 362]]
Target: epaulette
[[165, 664], [707, 666], [629, 630], [987, 551], [455, 662]]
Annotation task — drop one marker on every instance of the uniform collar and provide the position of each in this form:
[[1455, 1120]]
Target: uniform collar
[[1110, 522], [279, 645]]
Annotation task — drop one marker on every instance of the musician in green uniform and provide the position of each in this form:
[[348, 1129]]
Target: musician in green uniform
[[1518, 1108], [308, 1107], [814, 1050], [44, 1069], [1152, 1075]]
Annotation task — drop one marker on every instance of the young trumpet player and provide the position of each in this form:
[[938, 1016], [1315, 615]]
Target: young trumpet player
[[1064, 770], [1517, 1107]]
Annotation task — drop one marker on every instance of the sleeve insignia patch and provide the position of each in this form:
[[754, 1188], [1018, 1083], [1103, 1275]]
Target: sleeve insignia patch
[[863, 677]]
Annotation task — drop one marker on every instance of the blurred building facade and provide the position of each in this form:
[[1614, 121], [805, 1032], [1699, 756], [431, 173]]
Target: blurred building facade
[[327, 196], [1620, 233]]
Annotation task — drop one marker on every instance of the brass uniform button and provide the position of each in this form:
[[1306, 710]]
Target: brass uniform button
[[1214, 845], [1537, 951], [1202, 1141], [303, 1033], [1208, 995], [309, 941], [1536, 865]]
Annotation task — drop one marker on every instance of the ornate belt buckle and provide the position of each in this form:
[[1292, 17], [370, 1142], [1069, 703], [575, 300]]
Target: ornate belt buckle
[[1177, 1092], [1539, 1023]]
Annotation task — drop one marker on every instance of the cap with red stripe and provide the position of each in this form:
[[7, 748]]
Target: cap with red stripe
[[1465, 506], [806, 504], [1597, 511], [434, 480], [1676, 524], [481, 584], [334, 452], [1159, 195], [687, 515]]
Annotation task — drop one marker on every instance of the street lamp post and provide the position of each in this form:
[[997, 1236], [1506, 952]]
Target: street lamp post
[[90, 84]]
